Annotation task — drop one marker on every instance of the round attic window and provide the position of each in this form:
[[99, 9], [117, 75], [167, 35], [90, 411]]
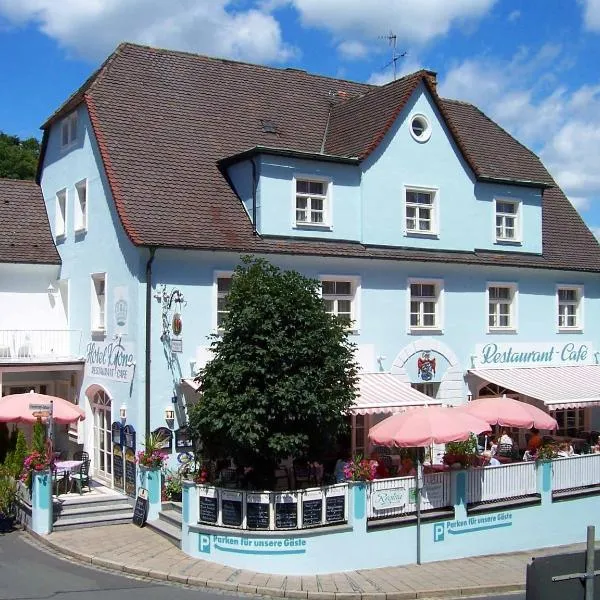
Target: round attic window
[[420, 128]]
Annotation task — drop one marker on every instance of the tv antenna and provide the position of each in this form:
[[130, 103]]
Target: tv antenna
[[392, 40]]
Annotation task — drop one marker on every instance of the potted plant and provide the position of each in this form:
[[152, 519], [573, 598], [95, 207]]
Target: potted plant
[[360, 469], [8, 499], [172, 485], [460, 455], [152, 456], [546, 452]]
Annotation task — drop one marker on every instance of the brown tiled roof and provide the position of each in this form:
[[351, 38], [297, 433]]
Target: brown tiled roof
[[25, 235], [163, 120]]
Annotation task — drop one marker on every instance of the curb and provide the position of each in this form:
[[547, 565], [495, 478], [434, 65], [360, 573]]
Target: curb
[[244, 588]]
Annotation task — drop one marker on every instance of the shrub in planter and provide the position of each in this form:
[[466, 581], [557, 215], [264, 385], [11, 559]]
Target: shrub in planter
[[172, 485], [8, 499], [463, 454]]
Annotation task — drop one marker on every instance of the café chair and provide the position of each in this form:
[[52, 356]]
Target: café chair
[[82, 477], [81, 455]]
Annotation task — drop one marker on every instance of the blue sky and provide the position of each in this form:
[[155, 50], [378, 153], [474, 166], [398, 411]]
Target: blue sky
[[532, 66]]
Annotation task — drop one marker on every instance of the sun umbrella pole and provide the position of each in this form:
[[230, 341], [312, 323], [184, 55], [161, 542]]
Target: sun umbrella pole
[[51, 428], [418, 480]]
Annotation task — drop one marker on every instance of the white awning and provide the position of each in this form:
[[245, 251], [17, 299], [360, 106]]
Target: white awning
[[557, 387], [387, 393]]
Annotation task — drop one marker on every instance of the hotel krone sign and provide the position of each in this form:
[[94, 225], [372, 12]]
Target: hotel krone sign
[[545, 354], [110, 360]]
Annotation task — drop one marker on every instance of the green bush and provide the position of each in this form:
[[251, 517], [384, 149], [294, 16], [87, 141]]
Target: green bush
[[15, 459]]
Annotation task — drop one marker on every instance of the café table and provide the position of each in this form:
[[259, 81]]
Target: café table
[[64, 468]]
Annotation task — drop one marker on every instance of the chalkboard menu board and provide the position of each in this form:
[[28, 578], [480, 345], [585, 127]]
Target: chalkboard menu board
[[312, 512], [129, 436], [208, 509], [231, 508], [167, 435], [257, 512], [286, 515], [182, 440], [117, 433], [140, 510], [118, 467], [130, 482], [335, 508]]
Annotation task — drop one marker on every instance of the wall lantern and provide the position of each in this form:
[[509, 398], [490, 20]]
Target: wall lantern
[[123, 412], [169, 413], [52, 291]]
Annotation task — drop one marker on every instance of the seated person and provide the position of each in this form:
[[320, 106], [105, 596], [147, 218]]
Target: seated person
[[381, 471], [407, 468], [493, 445], [535, 441], [529, 455], [505, 444], [338, 471], [565, 450], [489, 460]]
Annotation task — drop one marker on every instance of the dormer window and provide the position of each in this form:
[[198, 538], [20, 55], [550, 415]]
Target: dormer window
[[508, 221], [312, 203], [68, 130]]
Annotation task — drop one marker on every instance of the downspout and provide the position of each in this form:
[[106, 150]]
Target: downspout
[[254, 186], [148, 333]]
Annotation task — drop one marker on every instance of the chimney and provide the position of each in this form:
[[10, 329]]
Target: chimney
[[431, 77]]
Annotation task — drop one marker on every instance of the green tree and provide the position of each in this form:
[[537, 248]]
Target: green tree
[[18, 158], [283, 376]]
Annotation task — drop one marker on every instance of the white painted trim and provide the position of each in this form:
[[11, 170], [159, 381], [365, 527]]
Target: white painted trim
[[67, 123], [93, 325], [580, 304], [61, 235], [518, 239], [327, 208], [439, 305], [435, 210], [355, 280], [514, 307]]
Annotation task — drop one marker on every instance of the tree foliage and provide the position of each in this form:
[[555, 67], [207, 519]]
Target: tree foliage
[[18, 158], [283, 376]]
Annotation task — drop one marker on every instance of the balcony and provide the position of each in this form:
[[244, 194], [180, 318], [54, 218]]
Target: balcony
[[36, 345]]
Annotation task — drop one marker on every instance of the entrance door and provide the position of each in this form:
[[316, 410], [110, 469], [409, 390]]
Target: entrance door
[[101, 406]]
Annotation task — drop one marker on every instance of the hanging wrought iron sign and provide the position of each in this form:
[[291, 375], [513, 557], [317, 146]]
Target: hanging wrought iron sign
[[177, 324]]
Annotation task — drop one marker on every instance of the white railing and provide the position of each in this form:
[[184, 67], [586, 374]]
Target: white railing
[[489, 484], [396, 497], [299, 509], [575, 472], [23, 345]]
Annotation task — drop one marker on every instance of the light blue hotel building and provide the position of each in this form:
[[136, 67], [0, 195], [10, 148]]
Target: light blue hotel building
[[461, 265]]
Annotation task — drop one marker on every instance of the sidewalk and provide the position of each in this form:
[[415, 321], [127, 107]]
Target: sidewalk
[[138, 551]]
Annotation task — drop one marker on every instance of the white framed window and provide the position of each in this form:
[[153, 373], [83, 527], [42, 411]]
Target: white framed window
[[312, 202], [60, 214], [421, 208], [508, 220], [98, 312], [571, 422], [420, 129], [426, 304], [502, 306], [569, 299], [340, 295], [68, 130], [81, 206], [222, 285]]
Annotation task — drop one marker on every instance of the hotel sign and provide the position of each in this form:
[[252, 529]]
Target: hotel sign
[[550, 354], [109, 360]]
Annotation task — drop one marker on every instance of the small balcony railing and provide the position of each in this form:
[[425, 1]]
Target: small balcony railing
[[29, 345]]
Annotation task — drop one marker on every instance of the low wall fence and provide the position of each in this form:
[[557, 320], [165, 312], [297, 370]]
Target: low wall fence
[[389, 498], [504, 482], [575, 472], [273, 511]]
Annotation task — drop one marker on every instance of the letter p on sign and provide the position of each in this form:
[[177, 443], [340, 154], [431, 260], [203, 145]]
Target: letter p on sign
[[204, 543], [438, 532]]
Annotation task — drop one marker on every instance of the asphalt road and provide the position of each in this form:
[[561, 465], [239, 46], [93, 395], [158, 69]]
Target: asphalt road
[[28, 573]]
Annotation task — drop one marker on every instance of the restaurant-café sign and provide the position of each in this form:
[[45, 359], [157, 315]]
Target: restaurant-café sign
[[550, 354], [110, 360]]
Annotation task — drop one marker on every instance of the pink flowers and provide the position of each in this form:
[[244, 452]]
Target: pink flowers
[[360, 469], [35, 461], [151, 460]]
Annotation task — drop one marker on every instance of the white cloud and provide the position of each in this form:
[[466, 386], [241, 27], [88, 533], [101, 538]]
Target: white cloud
[[413, 21], [514, 15], [526, 97], [596, 232], [591, 14], [352, 49], [92, 28]]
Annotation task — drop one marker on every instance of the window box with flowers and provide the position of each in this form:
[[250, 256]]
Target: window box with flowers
[[360, 469]]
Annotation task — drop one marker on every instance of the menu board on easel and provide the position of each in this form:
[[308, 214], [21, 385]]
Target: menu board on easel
[[130, 473], [118, 467]]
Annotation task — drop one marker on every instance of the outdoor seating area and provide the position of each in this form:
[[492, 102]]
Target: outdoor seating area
[[71, 475]]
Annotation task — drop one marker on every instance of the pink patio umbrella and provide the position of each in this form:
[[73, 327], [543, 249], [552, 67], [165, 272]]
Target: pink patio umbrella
[[15, 408], [509, 413], [425, 426]]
